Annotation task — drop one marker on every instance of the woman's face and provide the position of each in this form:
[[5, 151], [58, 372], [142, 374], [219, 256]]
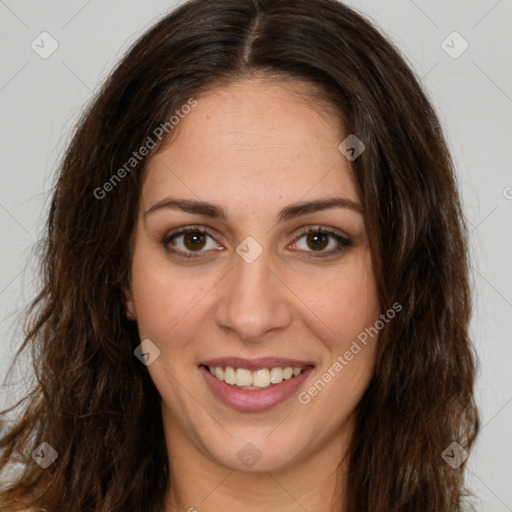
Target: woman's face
[[247, 288]]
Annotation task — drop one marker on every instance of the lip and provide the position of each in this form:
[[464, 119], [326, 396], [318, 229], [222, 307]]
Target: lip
[[254, 400]]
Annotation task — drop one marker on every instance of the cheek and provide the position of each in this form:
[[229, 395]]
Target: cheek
[[345, 306], [342, 301], [167, 300]]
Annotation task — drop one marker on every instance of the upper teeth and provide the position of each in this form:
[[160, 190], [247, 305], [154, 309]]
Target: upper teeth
[[246, 379]]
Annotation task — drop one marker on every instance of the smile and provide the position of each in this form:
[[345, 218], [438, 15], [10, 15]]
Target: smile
[[242, 378], [254, 385]]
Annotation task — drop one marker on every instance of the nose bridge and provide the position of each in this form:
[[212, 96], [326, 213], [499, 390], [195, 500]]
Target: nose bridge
[[254, 300]]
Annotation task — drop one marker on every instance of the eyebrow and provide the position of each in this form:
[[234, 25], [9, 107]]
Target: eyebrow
[[289, 212]]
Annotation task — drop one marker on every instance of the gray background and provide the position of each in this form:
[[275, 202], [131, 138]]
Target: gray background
[[40, 100]]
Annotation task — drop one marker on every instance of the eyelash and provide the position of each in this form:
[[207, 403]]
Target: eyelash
[[342, 240]]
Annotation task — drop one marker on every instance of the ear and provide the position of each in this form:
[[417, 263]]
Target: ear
[[129, 304]]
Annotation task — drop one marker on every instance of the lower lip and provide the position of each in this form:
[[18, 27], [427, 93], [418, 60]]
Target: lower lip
[[254, 400]]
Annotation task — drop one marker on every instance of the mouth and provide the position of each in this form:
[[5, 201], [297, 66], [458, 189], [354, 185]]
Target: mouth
[[254, 385], [263, 378]]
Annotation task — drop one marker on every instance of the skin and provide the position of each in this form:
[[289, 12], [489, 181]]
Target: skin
[[254, 147]]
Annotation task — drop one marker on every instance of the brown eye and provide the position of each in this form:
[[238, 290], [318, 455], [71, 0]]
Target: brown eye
[[318, 241], [190, 242], [194, 241]]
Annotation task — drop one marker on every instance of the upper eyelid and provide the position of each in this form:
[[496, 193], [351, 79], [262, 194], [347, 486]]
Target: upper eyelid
[[323, 229]]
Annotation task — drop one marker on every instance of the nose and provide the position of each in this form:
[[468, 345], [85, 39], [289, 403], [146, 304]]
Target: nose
[[254, 300]]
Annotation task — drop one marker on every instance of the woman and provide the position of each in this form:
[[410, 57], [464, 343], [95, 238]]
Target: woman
[[255, 280]]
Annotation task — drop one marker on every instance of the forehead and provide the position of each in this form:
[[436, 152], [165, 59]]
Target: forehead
[[253, 142]]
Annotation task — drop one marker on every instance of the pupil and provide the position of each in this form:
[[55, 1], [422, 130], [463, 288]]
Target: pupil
[[318, 241]]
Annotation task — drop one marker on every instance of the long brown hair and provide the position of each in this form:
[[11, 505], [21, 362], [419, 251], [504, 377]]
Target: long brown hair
[[95, 404]]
